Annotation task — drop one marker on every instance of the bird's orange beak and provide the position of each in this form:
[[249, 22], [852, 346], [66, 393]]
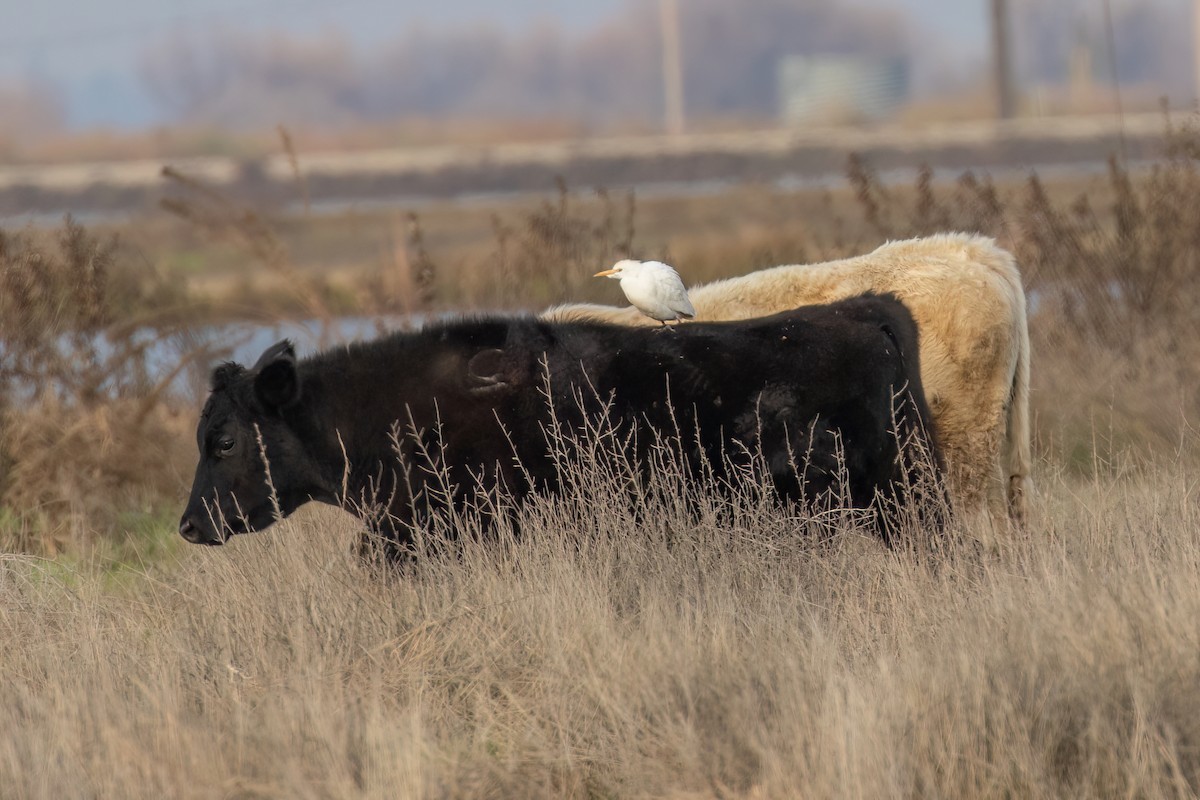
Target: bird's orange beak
[[605, 273]]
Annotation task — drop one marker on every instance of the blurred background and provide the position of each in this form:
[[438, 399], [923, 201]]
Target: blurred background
[[73, 71], [136, 78], [403, 102]]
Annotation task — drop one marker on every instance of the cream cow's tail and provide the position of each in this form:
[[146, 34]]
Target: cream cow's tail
[[1018, 455]]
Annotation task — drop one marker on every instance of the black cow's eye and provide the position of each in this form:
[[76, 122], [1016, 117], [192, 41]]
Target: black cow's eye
[[225, 446]]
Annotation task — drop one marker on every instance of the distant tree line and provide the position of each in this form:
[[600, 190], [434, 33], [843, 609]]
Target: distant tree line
[[610, 74]]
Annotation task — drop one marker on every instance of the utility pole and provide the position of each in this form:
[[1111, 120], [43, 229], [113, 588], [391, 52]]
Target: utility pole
[[1002, 80], [672, 67], [1196, 45], [1111, 35]]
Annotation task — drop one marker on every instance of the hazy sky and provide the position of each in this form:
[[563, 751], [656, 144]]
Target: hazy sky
[[90, 49]]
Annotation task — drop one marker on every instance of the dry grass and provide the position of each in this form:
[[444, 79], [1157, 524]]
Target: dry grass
[[589, 660], [602, 654], [86, 443], [80, 475]]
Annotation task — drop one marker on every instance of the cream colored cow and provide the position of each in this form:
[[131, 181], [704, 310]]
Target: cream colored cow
[[966, 296]]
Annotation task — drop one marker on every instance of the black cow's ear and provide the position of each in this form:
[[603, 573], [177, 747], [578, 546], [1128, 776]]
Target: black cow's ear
[[281, 349], [277, 383], [491, 371]]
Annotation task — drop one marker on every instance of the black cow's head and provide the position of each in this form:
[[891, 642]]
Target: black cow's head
[[248, 424]]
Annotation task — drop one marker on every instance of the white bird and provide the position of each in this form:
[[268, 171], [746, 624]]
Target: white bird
[[653, 287]]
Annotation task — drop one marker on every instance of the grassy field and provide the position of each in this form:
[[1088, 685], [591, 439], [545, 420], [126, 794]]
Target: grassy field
[[596, 659], [600, 655]]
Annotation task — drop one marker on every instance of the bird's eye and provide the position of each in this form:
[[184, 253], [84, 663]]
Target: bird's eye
[[225, 446]]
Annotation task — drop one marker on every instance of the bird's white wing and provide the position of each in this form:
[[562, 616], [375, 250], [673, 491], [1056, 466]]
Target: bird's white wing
[[672, 293], [643, 292]]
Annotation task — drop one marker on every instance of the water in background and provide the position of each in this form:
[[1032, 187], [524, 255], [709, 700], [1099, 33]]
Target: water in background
[[244, 342]]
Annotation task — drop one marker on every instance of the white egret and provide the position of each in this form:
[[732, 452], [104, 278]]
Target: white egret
[[654, 288]]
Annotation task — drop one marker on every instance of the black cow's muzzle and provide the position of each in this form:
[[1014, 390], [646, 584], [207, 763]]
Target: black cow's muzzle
[[197, 534]]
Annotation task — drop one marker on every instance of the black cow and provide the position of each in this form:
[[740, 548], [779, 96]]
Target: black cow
[[799, 389]]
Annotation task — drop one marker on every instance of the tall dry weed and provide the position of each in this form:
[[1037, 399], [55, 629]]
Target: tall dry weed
[[1115, 305], [549, 255], [84, 439], [221, 218]]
